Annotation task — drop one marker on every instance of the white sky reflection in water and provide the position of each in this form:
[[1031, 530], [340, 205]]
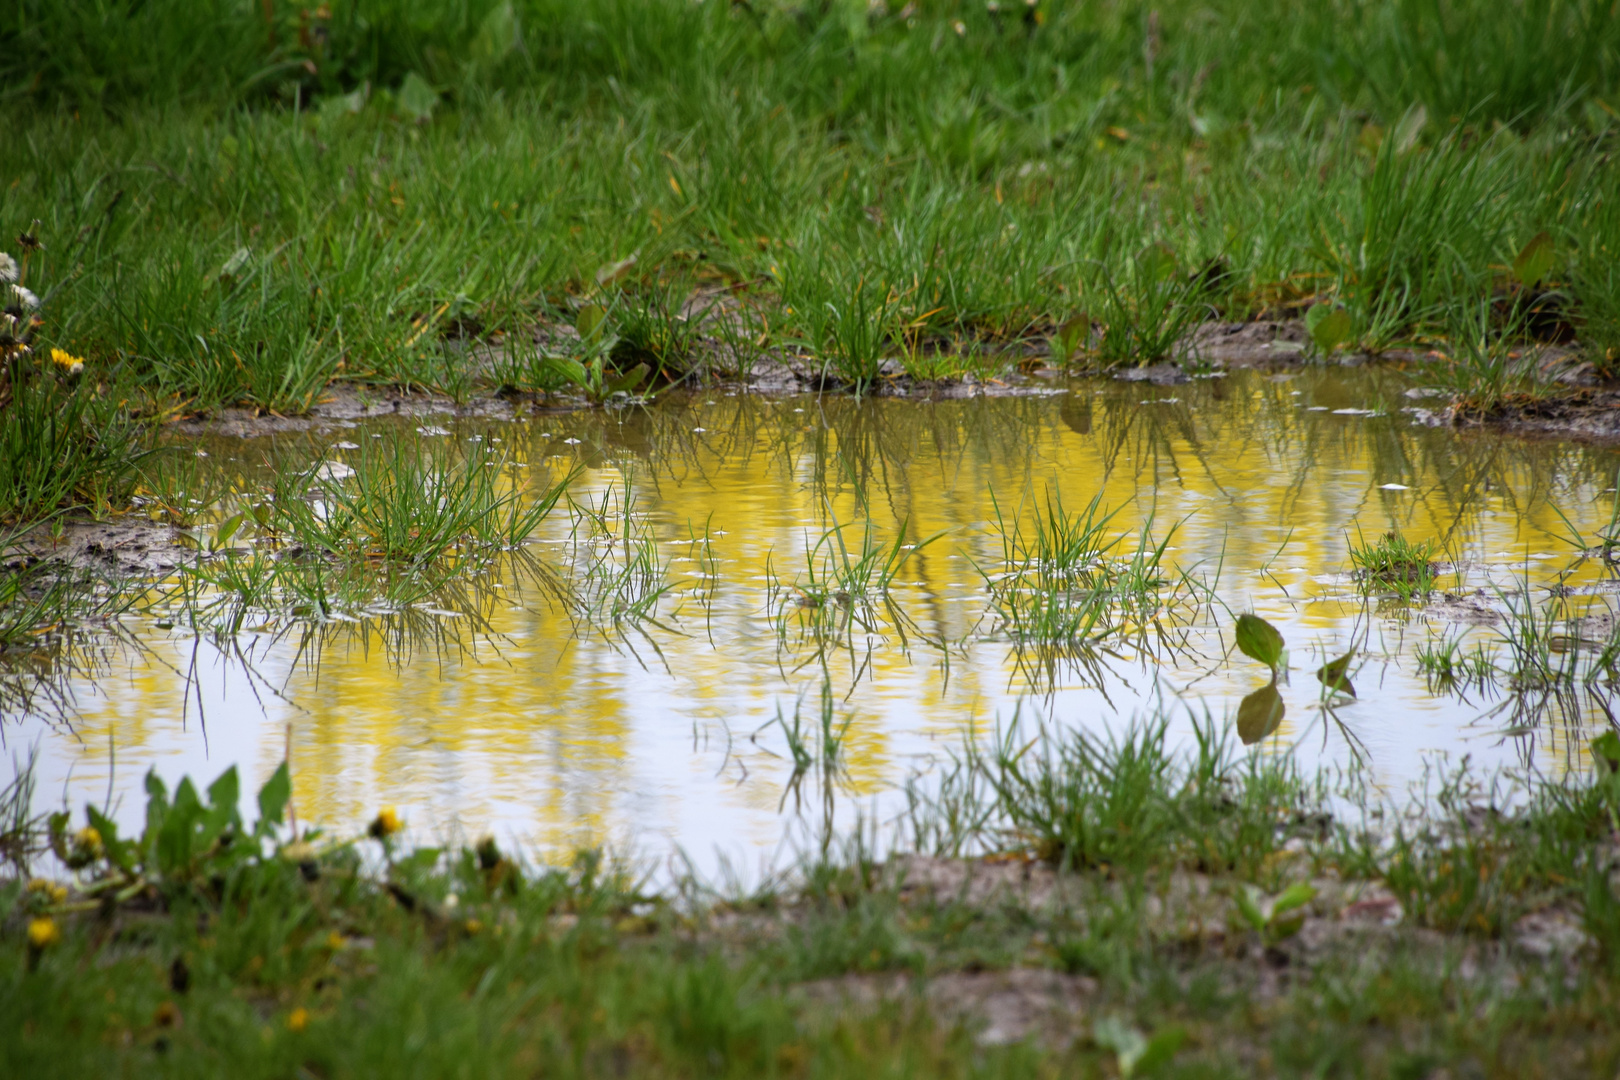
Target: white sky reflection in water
[[557, 739]]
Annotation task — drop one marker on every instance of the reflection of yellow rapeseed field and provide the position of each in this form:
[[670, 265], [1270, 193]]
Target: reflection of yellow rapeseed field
[[565, 735]]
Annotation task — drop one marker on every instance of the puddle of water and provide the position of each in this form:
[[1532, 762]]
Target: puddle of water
[[516, 718]]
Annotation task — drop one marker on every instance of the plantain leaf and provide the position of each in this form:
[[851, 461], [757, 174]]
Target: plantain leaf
[[1157, 262], [1535, 261], [1606, 751], [1295, 896], [1328, 326], [589, 320], [1260, 714], [628, 381], [416, 98], [1259, 640], [497, 34], [1335, 674], [274, 796]]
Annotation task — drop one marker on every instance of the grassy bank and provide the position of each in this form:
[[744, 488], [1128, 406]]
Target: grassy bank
[[237, 212], [1152, 914]]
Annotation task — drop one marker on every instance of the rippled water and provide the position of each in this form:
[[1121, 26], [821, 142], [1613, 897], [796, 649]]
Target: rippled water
[[516, 716]]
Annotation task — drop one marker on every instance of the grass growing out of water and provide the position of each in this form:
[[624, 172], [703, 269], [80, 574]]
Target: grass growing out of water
[[1394, 564], [1063, 581], [222, 937], [408, 500]]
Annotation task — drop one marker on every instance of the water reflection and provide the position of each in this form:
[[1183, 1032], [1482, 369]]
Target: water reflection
[[621, 677]]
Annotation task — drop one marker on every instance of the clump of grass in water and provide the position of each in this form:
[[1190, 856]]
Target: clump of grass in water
[[845, 587], [408, 500], [624, 577], [1070, 584], [1447, 664], [1395, 564]]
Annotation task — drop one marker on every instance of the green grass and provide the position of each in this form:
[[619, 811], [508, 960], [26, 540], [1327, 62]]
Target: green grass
[[1393, 564], [216, 937], [242, 229]]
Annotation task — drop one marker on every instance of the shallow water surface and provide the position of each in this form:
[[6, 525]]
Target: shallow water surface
[[517, 711]]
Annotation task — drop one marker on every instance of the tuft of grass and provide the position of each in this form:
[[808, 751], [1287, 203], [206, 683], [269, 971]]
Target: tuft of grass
[[1396, 565], [62, 445], [408, 500]]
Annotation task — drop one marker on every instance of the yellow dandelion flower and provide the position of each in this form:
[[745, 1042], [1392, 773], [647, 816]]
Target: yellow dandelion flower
[[43, 933], [298, 1019], [386, 824], [68, 363]]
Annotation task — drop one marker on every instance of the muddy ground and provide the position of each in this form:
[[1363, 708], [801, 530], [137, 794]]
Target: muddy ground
[[1349, 926]]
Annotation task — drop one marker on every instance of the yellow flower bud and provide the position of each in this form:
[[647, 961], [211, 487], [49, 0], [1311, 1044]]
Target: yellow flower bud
[[43, 933]]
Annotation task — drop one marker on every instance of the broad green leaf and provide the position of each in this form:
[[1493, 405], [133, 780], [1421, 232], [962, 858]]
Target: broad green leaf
[[1535, 261], [589, 320], [416, 98], [1157, 262], [119, 852], [615, 271], [1260, 714], [157, 808], [1328, 326], [628, 381], [1249, 909], [174, 838], [57, 826], [1295, 896], [226, 792], [497, 34], [573, 371], [1126, 1042], [274, 796], [1335, 675], [1069, 337], [1160, 1049], [223, 534], [419, 861], [1606, 751], [1259, 640]]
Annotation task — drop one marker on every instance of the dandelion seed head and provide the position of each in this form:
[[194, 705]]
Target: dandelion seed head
[[8, 269]]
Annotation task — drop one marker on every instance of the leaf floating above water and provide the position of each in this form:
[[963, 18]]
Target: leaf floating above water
[[1260, 714], [1259, 640], [1335, 675]]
